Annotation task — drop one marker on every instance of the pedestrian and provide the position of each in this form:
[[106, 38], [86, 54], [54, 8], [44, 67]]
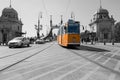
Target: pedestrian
[[82, 40]]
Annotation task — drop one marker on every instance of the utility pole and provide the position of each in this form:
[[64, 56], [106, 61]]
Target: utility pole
[[51, 21], [38, 31], [10, 3], [61, 19], [51, 25], [38, 27]]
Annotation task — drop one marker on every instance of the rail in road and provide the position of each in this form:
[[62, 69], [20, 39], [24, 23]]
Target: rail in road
[[18, 52], [23, 59], [101, 65], [81, 63], [103, 60]]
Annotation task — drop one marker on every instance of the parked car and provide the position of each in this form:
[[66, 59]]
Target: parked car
[[18, 42], [47, 40], [39, 41]]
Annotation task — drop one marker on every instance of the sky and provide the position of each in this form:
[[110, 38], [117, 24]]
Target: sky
[[30, 10]]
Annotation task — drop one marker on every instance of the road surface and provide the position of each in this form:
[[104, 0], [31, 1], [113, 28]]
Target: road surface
[[50, 61]]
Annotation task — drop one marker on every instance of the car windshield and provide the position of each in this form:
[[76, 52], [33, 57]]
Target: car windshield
[[18, 38]]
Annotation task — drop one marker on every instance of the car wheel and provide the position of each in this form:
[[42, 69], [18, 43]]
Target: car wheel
[[10, 47], [21, 45]]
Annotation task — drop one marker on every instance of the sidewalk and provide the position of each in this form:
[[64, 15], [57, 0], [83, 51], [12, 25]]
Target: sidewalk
[[108, 44], [98, 43]]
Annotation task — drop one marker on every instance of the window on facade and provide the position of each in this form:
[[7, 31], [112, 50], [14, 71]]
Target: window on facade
[[14, 16], [5, 15], [100, 16], [18, 28], [105, 36], [104, 16], [9, 15]]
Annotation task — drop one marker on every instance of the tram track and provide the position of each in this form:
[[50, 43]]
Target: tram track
[[18, 53], [21, 60], [110, 50], [95, 62]]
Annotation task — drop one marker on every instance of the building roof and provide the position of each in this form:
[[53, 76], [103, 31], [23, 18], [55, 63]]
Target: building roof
[[9, 13], [101, 10], [9, 10]]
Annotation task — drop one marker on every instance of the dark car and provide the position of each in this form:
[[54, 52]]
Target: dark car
[[39, 41]]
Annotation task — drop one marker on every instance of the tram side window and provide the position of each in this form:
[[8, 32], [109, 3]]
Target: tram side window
[[58, 32], [65, 29], [62, 30]]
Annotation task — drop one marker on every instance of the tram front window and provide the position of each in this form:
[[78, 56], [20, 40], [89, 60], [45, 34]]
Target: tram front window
[[73, 29]]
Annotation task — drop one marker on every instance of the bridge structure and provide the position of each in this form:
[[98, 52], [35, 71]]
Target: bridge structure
[[50, 35]]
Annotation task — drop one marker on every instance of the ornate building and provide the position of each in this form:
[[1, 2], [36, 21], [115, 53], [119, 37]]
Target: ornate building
[[103, 25], [10, 25], [117, 32]]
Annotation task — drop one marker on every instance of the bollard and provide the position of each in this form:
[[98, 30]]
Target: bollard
[[91, 41], [112, 42], [104, 43]]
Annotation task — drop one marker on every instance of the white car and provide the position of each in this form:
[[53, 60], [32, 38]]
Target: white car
[[18, 42]]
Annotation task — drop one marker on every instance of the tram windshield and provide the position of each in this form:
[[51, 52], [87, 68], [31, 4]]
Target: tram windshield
[[73, 28]]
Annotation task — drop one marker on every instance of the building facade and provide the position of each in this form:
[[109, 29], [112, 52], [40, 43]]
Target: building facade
[[117, 32], [10, 25], [103, 25]]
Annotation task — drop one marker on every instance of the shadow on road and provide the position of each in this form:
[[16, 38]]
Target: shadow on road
[[20, 47], [88, 48]]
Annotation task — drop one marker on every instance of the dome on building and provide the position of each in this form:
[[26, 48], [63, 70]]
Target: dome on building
[[9, 12], [101, 10], [9, 9], [117, 24]]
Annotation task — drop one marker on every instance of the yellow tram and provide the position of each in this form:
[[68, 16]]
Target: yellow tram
[[69, 34]]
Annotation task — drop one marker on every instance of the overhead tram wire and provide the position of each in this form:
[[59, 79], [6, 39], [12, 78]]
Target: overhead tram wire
[[44, 6], [67, 7]]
